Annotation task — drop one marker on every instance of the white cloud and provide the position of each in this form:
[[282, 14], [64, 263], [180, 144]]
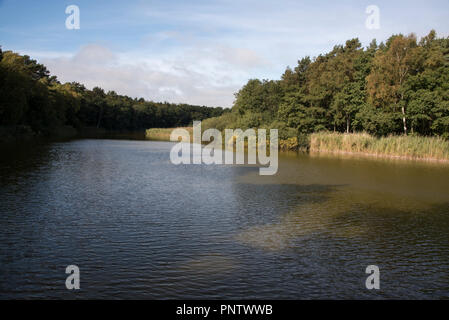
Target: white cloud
[[203, 75], [202, 52]]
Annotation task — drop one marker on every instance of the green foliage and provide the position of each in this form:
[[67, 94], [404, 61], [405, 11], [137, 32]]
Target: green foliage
[[226, 121], [401, 86], [258, 97]]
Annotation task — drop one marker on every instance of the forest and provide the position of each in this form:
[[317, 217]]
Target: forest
[[400, 87], [30, 96]]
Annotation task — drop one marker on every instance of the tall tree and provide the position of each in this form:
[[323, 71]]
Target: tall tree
[[390, 69]]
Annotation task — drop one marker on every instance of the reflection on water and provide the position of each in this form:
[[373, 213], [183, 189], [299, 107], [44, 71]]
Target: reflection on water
[[339, 215], [140, 227]]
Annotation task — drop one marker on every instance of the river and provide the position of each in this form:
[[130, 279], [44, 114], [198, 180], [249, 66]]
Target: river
[[138, 226]]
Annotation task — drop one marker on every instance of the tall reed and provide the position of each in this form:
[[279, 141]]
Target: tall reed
[[418, 147]]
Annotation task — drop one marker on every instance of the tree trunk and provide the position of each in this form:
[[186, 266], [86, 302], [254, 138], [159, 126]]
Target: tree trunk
[[347, 124], [404, 120], [99, 117]]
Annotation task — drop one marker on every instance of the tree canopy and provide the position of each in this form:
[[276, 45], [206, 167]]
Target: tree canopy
[[397, 87]]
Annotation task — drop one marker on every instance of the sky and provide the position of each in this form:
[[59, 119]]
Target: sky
[[197, 52]]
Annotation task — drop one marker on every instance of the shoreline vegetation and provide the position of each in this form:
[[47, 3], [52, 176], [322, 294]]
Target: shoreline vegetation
[[387, 100], [163, 134], [352, 144], [23, 133], [397, 147], [395, 92]]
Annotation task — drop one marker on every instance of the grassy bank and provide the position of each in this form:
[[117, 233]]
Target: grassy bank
[[163, 134], [406, 147]]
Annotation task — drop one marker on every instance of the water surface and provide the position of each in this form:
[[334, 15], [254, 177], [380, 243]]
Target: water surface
[[140, 227]]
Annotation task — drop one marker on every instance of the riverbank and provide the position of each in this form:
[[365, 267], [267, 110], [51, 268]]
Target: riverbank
[[163, 134], [358, 144], [398, 147]]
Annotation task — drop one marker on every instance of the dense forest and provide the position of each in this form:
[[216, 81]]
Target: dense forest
[[397, 87], [30, 96]]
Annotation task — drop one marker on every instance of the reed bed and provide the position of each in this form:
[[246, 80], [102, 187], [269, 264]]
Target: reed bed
[[412, 147], [406, 147], [163, 134]]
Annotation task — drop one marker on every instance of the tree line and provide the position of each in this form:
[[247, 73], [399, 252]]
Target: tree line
[[397, 87], [30, 96]]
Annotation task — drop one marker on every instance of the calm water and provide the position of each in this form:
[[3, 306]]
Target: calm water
[[139, 227]]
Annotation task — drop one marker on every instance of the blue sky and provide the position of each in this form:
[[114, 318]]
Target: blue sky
[[197, 52]]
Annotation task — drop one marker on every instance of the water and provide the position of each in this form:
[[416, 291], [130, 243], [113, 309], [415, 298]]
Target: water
[[139, 227]]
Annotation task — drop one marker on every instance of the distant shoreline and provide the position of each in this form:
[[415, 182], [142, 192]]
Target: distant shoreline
[[23, 133], [408, 148], [374, 156], [426, 149]]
